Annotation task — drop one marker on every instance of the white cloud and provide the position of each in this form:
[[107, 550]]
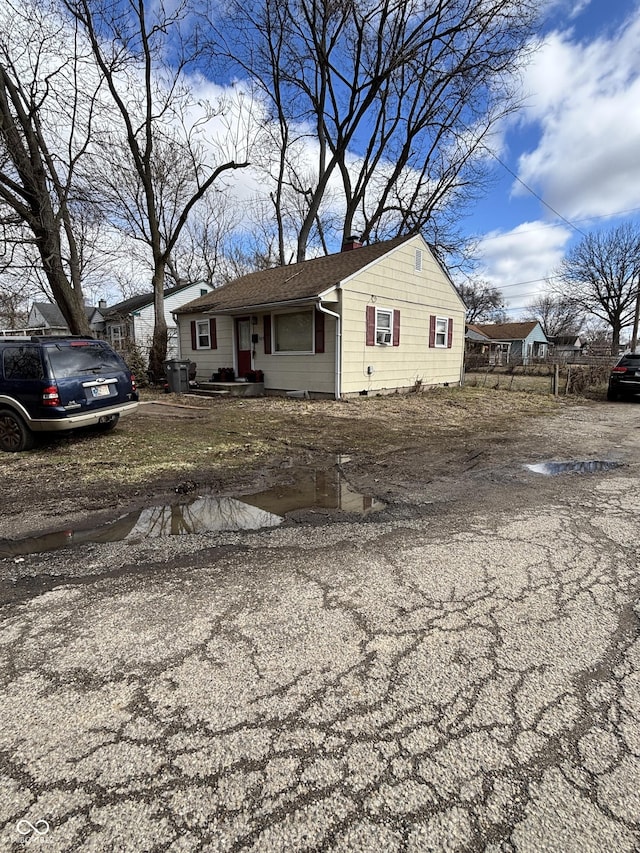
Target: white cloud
[[518, 261], [584, 101]]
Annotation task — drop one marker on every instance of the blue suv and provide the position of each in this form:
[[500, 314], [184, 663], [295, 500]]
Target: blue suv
[[54, 384]]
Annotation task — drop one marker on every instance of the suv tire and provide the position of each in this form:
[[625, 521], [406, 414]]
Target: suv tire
[[612, 395], [15, 436]]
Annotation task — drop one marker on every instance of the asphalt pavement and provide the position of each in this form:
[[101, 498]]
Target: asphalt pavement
[[463, 679]]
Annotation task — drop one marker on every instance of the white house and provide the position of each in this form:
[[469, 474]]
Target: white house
[[133, 319]]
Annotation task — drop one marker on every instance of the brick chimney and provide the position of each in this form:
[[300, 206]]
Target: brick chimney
[[350, 243]]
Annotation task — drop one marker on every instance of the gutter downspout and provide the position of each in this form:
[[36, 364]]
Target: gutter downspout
[[338, 319]]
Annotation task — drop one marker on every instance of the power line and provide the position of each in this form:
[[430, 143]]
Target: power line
[[511, 234], [533, 192]]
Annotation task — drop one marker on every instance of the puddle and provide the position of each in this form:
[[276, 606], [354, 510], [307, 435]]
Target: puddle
[[587, 467], [310, 490]]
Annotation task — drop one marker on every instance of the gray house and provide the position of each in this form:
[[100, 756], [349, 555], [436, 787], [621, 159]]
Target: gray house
[[45, 318], [523, 343]]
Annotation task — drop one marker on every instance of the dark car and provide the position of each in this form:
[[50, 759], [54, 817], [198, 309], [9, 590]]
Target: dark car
[[624, 380], [56, 384]]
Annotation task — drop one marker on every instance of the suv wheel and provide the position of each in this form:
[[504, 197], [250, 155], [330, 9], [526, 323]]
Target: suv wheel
[[15, 436], [612, 395]]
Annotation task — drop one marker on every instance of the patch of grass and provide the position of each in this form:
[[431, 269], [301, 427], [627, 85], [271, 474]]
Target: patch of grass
[[174, 434]]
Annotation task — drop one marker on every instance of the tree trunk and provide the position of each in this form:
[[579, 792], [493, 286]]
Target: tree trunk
[[615, 339], [158, 351], [68, 298]]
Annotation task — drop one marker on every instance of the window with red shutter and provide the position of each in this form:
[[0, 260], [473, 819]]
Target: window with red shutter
[[201, 334]]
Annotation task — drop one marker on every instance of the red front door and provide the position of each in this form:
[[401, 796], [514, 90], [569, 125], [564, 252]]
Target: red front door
[[243, 345]]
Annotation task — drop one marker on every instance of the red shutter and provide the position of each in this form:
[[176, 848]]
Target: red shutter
[[450, 332], [396, 328], [371, 325], [212, 333], [194, 335], [432, 331], [319, 333], [267, 334]]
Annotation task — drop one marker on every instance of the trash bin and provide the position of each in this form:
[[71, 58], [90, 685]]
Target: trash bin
[[177, 375]]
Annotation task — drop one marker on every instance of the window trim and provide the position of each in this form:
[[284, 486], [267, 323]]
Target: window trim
[[444, 333], [383, 330], [208, 334]]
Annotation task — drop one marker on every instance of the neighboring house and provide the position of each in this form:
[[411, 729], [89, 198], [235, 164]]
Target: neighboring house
[[480, 349], [566, 347], [522, 343], [368, 319], [46, 318], [132, 320]]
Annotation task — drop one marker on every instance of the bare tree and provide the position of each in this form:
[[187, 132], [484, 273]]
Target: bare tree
[[484, 302], [144, 51], [395, 100], [46, 110], [557, 315], [601, 277]]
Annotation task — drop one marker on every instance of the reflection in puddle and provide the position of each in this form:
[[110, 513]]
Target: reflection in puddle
[[204, 514], [588, 467]]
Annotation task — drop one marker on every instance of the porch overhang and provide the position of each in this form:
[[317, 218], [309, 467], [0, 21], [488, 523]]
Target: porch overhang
[[262, 307]]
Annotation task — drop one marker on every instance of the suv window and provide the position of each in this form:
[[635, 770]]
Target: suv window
[[22, 363], [631, 358], [73, 359]]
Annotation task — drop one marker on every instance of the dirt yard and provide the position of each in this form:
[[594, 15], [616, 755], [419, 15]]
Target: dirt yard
[[400, 449]]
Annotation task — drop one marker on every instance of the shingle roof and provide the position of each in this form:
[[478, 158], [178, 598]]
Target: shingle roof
[[53, 315], [507, 331], [473, 333], [135, 303], [304, 280]]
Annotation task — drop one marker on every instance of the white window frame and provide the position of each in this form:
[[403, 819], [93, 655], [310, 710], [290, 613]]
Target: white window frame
[[200, 338], [274, 333], [384, 334], [441, 332], [118, 336]]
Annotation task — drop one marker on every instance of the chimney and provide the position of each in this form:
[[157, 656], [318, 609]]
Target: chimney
[[102, 304], [350, 243]]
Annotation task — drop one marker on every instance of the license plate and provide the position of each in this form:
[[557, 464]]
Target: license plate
[[100, 391]]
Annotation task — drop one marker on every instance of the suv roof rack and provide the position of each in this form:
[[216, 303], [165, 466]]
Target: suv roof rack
[[48, 338]]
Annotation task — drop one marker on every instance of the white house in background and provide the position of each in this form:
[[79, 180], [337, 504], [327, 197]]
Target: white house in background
[[132, 320], [368, 319]]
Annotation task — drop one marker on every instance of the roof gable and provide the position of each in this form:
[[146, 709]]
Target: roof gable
[[306, 280], [53, 317]]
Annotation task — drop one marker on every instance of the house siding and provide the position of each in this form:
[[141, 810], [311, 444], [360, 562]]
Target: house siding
[[395, 284], [208, 361]]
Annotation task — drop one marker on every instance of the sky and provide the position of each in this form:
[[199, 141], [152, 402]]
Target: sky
[[569, 163]]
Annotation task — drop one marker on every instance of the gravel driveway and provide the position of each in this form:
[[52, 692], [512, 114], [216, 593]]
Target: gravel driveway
[[460, 672]]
